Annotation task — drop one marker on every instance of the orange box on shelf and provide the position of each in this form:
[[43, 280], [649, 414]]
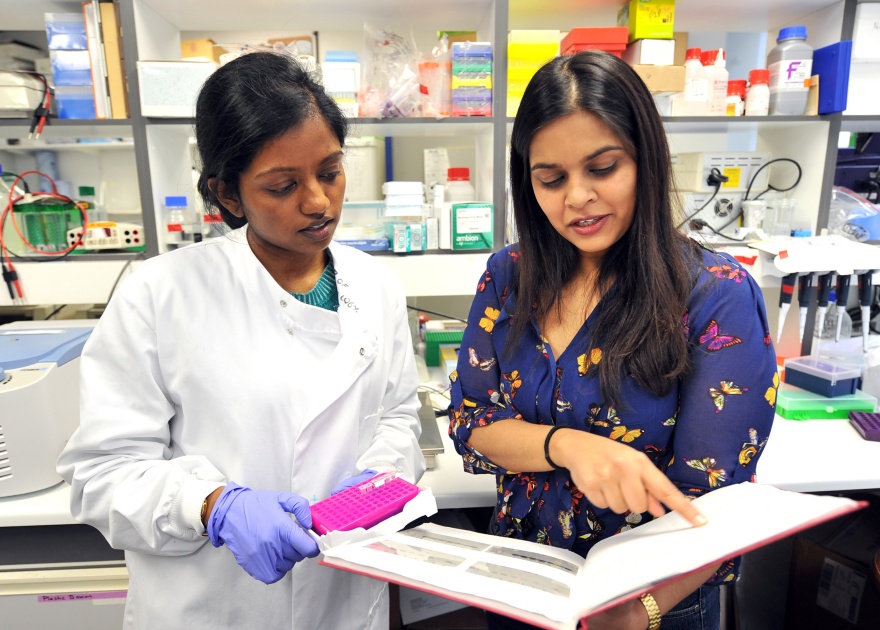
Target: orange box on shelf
[[612, 39]]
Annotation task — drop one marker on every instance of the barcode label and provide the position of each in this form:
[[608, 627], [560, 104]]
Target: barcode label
[[840, 590]]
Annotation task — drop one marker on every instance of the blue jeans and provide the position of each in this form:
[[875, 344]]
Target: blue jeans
[[701, 610]]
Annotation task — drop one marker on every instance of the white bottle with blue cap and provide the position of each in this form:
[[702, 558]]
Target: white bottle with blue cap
[[791, 65]]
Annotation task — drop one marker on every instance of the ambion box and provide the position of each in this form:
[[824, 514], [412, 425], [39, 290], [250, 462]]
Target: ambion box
[[795, 403], [472, 225], [823, 376], [647, 19], [169, 88]]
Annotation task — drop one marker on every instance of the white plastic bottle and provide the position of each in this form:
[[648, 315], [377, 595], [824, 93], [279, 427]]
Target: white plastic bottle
[[695, 99], [718, 87], [790, 64], [758, 96], [176, 222], [458, 185]]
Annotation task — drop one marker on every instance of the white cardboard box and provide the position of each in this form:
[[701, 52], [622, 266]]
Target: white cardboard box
[[650, 52]]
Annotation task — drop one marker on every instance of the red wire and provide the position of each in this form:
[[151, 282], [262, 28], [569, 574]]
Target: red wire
[[8, 210]]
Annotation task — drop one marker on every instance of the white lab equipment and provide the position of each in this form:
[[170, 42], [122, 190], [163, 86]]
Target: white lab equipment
[[39, 396]]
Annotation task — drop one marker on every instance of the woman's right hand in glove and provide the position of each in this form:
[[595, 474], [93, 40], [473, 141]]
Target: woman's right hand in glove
[[255, 525]]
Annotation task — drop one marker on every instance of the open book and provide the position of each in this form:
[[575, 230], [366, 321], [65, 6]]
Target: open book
[[555, 588]]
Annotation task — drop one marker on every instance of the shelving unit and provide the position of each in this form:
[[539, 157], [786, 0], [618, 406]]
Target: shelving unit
[[160, 151]]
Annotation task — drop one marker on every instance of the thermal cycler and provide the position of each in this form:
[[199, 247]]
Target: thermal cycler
[[39, 399]]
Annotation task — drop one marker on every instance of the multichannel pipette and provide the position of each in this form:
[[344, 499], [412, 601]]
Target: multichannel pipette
[[805, 295], [785, 294], [842, 298], [824, 281]]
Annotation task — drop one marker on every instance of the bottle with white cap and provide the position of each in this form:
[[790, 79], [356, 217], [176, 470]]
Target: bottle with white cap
[[718, 87]]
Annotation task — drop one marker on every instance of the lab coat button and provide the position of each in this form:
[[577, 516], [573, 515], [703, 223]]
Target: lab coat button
[[290, 331], [362, 352], [283, 304]]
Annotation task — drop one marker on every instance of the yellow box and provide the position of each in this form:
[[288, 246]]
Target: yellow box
[[647, 19], [200, 50]]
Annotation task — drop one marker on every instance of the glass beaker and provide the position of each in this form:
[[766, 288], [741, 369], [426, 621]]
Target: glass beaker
[[753, 213], [779, 213]]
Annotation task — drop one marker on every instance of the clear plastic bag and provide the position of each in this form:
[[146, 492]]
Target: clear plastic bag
[[852, 215], [391, 79]]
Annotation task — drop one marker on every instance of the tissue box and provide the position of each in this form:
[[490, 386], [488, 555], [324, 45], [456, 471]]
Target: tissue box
[[169, 88], [822, 376]]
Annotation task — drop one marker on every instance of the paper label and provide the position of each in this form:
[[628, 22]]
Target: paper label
[[840, 590], [733, 177], [793, 74]]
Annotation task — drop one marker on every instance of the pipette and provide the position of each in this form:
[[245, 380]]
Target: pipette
[[785, 294], [824, 281], [843, 281], [866, 291], [805, 295]]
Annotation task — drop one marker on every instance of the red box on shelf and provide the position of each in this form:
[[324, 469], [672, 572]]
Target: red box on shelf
[[611, 39]]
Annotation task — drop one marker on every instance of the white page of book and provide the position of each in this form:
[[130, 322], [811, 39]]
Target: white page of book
[[535, 578], [739, 515]]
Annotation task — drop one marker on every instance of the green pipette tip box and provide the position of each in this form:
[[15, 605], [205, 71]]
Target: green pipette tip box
[[795, 403]]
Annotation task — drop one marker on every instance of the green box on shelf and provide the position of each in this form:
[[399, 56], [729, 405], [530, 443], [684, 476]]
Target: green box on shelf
[[795, 403], [434, 339]]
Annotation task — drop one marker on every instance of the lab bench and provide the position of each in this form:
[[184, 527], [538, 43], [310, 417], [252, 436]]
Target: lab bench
[[805, 456]]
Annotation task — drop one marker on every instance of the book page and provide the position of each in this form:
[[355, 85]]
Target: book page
[[741, 517], [527, 576]]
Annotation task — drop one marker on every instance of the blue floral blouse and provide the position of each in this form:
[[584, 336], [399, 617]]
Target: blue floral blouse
[[706, 433]]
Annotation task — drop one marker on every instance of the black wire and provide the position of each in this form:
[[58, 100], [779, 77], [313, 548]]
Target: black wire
[[769, 186], [444, 316], [55, 312], [122, 271], [701, 208]]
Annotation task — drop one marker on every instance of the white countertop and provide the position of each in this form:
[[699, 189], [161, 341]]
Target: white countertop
[[819, 455], [805, 456]]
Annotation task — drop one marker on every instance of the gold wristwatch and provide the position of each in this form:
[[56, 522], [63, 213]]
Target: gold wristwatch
[[653, 609]]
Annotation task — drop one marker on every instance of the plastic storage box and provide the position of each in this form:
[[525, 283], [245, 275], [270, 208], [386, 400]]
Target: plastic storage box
[[823, 376], [795, 403], [611, 39]]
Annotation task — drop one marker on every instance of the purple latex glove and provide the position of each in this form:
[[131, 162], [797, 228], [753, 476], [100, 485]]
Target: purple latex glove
[[256, 527], [353, 481]]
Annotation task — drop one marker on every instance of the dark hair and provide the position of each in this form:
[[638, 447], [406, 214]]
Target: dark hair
[[639, 327], [246, 103]]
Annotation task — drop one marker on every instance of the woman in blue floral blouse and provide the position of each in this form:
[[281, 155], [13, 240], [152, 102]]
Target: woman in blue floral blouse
[[610, 365]]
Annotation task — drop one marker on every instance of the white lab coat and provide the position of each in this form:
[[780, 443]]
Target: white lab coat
[[202, 370]]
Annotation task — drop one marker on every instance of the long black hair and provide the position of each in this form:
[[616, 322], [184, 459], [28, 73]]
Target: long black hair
[[243, 105], [639, 324]]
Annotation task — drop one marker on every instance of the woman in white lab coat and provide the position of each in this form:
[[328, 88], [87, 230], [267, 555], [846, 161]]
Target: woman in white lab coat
[[240, 378]]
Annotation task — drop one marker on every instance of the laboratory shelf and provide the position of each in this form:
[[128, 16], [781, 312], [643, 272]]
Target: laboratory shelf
[[860, 124]]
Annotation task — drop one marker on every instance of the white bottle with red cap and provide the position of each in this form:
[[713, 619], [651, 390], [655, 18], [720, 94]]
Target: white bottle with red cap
[[695, 99], [458, 185]]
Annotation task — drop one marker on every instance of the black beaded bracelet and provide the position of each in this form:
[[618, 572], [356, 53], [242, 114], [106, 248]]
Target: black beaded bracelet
[[547, 447]]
